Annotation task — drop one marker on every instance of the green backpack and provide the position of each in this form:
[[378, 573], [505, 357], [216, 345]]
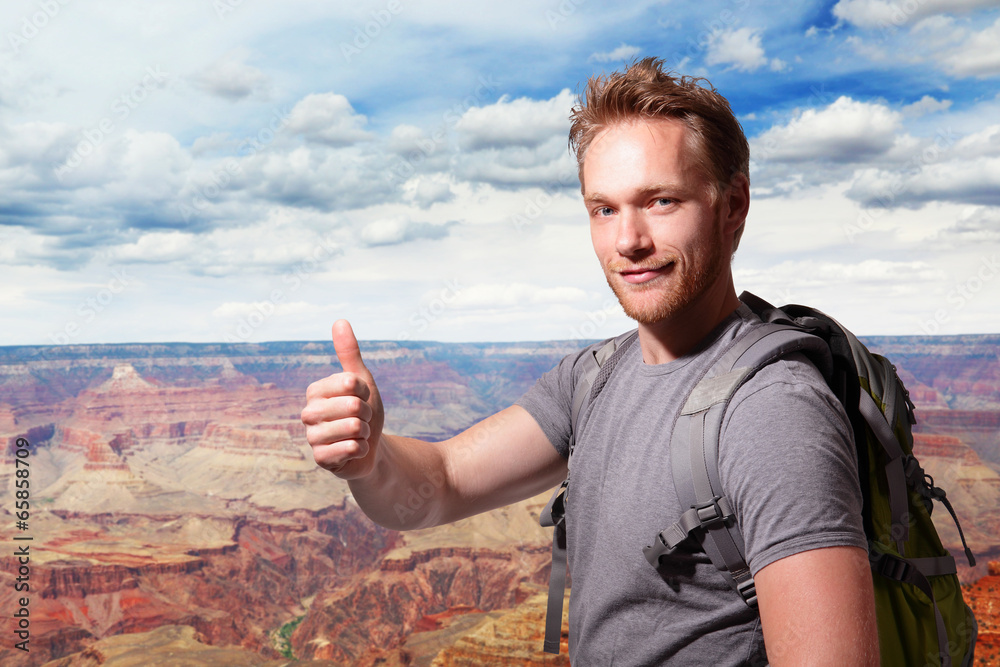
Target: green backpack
[[922, 617]]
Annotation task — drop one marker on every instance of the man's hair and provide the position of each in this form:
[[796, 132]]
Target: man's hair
[[645, 91]]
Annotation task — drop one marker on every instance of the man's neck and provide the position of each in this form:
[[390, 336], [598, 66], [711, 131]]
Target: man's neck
[[672, 338]]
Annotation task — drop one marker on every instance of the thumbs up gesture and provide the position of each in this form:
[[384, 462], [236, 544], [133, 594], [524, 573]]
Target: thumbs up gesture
[[343, 413]]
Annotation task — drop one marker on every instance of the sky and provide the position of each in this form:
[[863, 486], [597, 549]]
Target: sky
[[246, 171]]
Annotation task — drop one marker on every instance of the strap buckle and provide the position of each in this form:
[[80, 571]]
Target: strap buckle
[[555, 510], [658, 549], [711, 513], [891, 566], [748, 591]]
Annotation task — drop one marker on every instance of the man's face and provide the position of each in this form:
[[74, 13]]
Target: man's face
[[656, 232]]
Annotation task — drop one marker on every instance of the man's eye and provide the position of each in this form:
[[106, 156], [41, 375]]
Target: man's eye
[[664, 201], [605, 210]]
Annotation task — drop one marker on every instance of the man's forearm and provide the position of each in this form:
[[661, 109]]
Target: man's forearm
[[407, 485]]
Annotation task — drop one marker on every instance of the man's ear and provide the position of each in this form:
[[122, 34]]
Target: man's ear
[[734, 207], [736, 202]]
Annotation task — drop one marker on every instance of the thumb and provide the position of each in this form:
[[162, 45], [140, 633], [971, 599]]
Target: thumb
[[346, 346]]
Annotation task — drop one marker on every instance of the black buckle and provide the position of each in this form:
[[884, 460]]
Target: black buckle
[[710, 513], [659, 548], [891, 567], [748, 592]]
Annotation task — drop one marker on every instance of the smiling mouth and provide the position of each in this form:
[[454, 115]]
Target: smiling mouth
[[644, 274]]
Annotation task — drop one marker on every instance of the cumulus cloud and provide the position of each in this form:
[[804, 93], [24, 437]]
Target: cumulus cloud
[[978, 226], [265, 247], [740, 48], [962, 181], [232, 78], [519, 122], [883, 13], [328, 118], [925, 105], [623, 52], [408, 138], [964, 170], [977, 55], [426, 191], [514, 143], [846, 131], [394, 231], [321, 177], [548, 165], [984, 143]]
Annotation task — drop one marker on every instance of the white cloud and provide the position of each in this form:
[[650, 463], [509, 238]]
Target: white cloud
[[428, 191], [328, 118], [985, 142], [519, 142], [978, 54], [887, 13], [406, 138], [515, 294], [232, 78], [547, 165], [965, 181], [393, 231], [866, 49], [925, 105], [846, 131], [519, 122], [740, 48], [266, 247], [321, 177], [622, 53], [815, 273]]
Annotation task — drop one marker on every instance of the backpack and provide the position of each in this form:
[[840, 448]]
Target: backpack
[[922, 617]]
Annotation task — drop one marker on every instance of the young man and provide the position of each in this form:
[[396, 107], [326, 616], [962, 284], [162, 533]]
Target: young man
[[664, 176]]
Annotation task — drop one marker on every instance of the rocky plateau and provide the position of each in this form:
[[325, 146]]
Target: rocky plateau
[[176, 511]]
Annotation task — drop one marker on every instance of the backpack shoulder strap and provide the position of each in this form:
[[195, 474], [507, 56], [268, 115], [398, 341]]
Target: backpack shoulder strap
[[598, 367], [694, 451]]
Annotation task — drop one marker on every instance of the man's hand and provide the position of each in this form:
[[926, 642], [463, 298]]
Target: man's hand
[[343, 413]]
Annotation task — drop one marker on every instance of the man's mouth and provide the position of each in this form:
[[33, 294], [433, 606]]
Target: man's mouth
[[641, 275]]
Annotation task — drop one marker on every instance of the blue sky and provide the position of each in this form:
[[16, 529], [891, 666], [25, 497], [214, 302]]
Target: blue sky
[[234, 170]]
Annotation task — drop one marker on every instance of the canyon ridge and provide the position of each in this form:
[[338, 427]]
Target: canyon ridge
[[175, 508]]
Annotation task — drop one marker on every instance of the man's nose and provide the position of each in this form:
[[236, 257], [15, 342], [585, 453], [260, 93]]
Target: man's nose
[[633, 235]]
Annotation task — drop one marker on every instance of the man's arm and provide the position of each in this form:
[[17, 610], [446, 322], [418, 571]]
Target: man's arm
[[817, 607], [500, 460]]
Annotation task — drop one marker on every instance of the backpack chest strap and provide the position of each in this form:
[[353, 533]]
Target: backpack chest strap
[[694, 452]]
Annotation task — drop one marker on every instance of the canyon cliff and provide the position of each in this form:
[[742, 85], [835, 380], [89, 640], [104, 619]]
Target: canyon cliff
[[175, 506]]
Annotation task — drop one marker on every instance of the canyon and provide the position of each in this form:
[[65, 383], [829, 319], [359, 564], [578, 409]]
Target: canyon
[[175, 507]]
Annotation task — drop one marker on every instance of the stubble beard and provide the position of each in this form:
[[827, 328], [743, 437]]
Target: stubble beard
[[684, 285]]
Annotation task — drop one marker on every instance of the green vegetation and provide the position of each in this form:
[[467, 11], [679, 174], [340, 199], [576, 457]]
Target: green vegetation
[[283, 637]]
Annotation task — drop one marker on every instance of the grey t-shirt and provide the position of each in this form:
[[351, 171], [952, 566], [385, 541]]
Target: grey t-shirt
[[787, 463]]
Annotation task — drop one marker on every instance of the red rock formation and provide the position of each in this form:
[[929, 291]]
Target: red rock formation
[[960, 420], [163, 645], [984, 599], [515, 638], [233, 594], [358, 624], [943, 446], [211, 445]]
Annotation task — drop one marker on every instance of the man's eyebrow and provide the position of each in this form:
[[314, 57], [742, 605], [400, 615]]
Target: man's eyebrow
[[645, 191]]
